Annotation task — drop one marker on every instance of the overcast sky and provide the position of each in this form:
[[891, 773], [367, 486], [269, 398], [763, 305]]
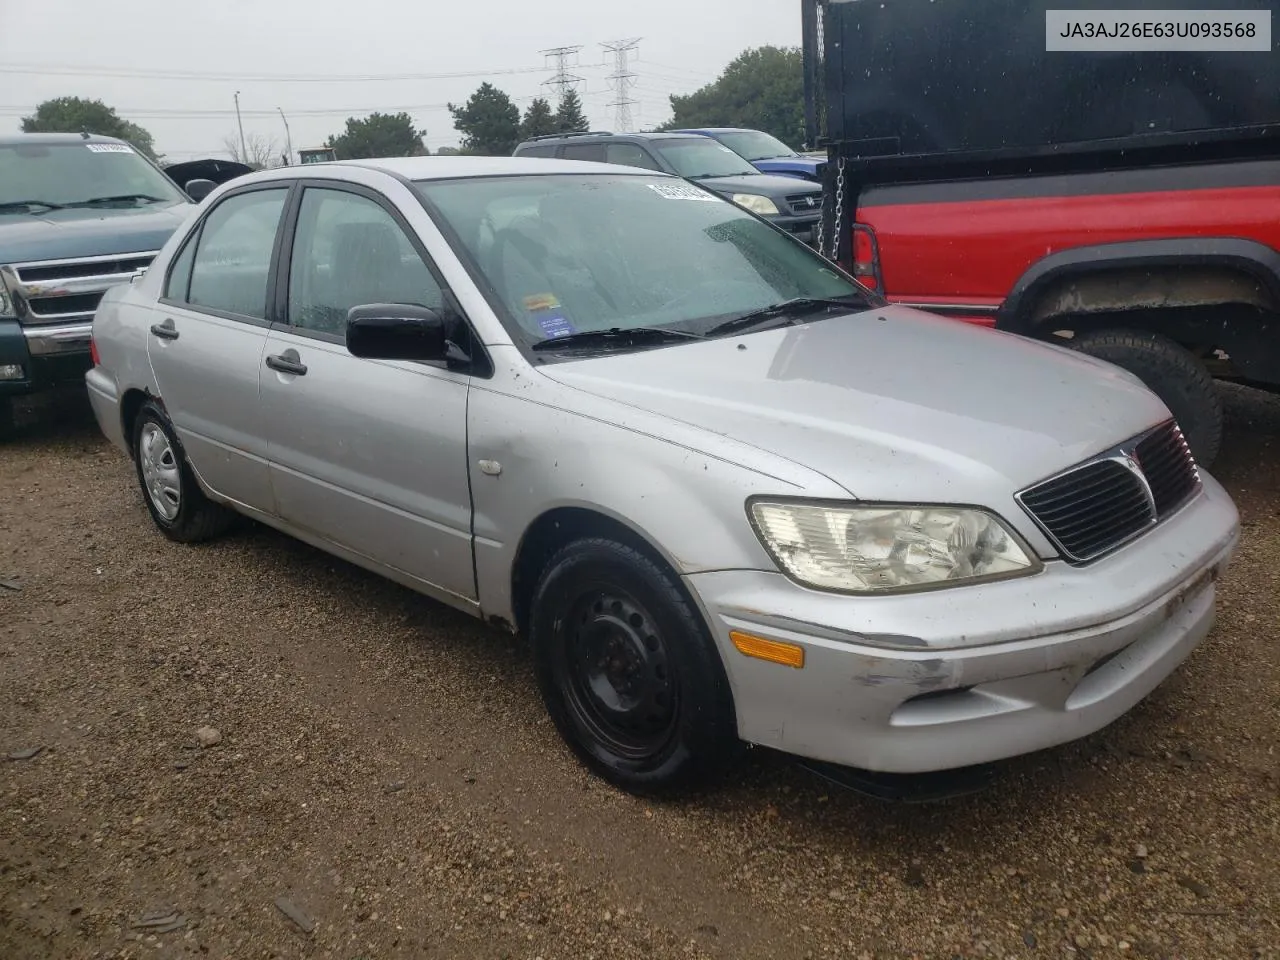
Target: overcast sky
[[173, 68]]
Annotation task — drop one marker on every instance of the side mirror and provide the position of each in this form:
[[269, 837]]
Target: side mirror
[[197, 190], [396, 331]]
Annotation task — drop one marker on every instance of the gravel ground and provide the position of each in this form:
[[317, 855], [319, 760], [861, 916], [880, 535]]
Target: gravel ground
[[384, 783]]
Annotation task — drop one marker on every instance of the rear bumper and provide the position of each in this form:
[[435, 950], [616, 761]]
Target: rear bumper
[[104, 398], [47, 356]]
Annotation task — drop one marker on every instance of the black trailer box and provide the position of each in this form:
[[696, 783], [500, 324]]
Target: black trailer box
[[972, 78]]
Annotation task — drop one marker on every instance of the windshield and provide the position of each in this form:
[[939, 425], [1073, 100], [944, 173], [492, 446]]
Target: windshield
[[700, 157], [68, 174], [755, 145], [566, 254]]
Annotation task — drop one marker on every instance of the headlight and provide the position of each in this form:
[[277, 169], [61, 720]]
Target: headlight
[[756, 204], [6, 305], [881, 548]]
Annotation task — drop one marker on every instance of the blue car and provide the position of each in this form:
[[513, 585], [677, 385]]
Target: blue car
[[766, 152]]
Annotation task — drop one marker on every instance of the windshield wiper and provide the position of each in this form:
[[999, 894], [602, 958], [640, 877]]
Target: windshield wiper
[[119, 198], [633, 335], [796, 307], [25, 204]]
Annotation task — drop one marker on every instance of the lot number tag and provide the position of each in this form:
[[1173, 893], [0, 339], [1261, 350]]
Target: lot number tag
[[109, 147], [680, 191]]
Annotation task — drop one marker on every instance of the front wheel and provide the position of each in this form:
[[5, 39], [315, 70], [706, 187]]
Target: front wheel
[[1171, 372], [174, 499], [628, 671]]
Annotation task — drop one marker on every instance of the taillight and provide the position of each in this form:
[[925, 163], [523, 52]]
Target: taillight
[[866, 258], [93, 352]]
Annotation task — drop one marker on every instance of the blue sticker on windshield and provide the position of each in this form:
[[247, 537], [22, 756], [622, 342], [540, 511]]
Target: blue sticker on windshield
[[546, 310], [554, 323]]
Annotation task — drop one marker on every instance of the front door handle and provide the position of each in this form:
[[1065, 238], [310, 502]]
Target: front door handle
[[164, 331], [287, 365]]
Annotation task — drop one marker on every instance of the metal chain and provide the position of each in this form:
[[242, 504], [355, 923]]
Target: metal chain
[[837, 215]]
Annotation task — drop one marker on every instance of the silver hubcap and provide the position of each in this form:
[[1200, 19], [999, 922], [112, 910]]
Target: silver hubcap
[[160, 473]]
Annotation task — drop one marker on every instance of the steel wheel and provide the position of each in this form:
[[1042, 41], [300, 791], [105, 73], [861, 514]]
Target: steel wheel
[[628, 671], [161, 473], [619, 679]]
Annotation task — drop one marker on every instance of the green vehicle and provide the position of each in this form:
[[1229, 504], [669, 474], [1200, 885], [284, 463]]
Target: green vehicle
[[78, 214]]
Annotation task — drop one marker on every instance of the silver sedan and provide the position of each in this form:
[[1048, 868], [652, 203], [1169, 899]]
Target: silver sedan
[[728, 495]]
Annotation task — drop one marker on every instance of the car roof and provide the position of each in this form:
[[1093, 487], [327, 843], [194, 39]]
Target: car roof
[[49, 139], [604, 135], [451, 168], [716, 130]]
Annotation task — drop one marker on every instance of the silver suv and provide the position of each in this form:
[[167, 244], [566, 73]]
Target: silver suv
[[726, 494]]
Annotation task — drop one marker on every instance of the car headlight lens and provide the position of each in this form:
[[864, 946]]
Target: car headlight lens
[[6, 305], [890, 547], [756, 204]]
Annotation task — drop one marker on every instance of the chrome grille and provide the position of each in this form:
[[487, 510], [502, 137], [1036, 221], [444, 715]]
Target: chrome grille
[[1170, 469], [799, 204], [68, 291], [1101, 504]]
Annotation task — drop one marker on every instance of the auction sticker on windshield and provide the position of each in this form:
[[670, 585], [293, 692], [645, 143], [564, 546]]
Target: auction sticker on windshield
[[546, 311], [680, 191], [109, 147]]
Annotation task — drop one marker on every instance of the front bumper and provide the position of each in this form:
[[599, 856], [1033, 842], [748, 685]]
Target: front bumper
[[47, 355], [970, 675], [802, 228]]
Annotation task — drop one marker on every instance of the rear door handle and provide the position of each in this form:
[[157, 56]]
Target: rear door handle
[[164, 331], [285, 365]]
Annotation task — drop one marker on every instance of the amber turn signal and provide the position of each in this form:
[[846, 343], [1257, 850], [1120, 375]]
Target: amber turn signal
[[774, 651]]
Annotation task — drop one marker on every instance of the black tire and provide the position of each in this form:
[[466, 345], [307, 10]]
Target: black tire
[[1173, 374], [196, 517], [8, 422], [650, 649]]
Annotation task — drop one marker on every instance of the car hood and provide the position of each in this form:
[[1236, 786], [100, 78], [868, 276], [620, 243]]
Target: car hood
[[890, 404], [64, 234], [790, 163], [764, 184]]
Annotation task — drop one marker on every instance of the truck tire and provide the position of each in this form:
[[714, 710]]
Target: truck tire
[[1173, 374]]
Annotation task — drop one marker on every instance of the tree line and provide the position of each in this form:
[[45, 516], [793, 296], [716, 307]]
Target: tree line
[[762, 89]]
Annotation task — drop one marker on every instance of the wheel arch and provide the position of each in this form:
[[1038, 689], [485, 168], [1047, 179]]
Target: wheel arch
[[131, 404], [1168, 275], [561, 525]]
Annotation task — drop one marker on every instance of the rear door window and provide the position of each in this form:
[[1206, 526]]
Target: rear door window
[[233, 258], [584, 151]]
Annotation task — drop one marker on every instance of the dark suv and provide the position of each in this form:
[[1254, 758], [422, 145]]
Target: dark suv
[[793, 205]]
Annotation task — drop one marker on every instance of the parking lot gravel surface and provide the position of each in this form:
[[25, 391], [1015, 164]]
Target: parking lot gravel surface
[[247, 749]]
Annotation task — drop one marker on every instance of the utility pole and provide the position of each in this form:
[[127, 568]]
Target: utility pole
[[288, 139], [563, 80], [622, 78], [244, 154]]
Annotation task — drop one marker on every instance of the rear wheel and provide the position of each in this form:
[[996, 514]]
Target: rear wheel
[[628, 671], [174, 499], [1171, 372]]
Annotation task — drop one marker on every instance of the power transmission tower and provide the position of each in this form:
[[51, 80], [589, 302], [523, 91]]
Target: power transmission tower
[[563, 80], [623, 79]]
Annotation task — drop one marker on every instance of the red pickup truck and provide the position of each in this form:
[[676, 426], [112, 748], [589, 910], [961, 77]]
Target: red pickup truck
[[1123, 204]]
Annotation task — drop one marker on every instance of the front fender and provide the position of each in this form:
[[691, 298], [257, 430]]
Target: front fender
[[529, 454]]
